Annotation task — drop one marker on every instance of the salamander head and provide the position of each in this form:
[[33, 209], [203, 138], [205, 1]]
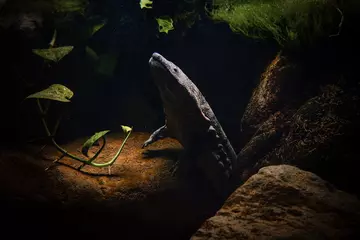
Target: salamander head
[[173, 84]]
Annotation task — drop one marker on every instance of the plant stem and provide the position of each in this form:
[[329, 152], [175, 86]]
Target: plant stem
[[66, 153], [116, 155]]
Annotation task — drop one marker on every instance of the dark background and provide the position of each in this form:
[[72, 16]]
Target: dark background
[[225, 66]]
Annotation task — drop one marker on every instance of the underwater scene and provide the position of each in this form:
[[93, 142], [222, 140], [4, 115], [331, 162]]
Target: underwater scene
[[179, 119]]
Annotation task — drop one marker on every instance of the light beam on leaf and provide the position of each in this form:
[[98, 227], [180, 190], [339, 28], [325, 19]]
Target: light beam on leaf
[[126, 129], [56, 92], [165, 24], [91, 141], [145, 4], [53, 54]]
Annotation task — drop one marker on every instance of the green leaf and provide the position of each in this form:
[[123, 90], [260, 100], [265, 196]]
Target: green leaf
[[107, 64], [97, 27], [91, 53], [91, 141], [55, 92], [126, 129], [165, 24], [70, 5], [53, 54], [145, 4]]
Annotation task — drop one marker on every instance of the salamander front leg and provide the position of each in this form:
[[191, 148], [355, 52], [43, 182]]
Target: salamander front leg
[[162, 132]]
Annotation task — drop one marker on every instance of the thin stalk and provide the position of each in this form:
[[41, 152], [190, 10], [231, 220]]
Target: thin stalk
[[66, 153]]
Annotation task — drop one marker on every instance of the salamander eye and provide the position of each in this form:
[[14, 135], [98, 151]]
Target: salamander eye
[[175, 70]]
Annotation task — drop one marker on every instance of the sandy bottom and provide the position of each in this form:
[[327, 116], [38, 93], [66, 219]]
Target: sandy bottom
[[136, 198]]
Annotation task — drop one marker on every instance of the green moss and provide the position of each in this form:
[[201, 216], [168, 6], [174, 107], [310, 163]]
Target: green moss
[[286, 21]]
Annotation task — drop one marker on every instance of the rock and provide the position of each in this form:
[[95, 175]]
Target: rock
[[277, 89], [262, 142], [285, 202], [310, 125], [318, 137]]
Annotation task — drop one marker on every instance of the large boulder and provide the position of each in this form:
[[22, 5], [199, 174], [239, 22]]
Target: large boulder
[[284, 202], [304, 119], [319, 137]]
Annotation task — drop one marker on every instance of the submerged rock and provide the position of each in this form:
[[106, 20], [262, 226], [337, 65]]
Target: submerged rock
[[276, 90], [285, 202], [304, 118], [318, 137]]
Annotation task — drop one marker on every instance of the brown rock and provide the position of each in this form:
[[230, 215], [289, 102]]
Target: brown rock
[[276, 90], [285, 202], [319, 137], [263, 141]]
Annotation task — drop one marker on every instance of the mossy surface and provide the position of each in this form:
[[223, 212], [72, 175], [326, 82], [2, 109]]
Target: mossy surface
[[286, 21]]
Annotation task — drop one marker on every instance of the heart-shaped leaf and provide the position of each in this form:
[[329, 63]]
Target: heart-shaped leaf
[[165, 24], [55, 92], [53, 54], [126, 129], [91, 141], [145, 4]]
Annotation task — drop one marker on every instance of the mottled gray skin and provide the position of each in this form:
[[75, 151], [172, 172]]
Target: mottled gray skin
[[191, 121]]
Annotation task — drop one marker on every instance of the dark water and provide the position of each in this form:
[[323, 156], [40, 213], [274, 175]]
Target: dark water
[[225, 67]]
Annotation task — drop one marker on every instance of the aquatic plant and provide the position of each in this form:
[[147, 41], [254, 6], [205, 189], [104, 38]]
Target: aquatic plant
[[286, 21], [104, 64], [61, 93], [96, 27], [183, 14], [165, 24], [53, 54], [145, 4]]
